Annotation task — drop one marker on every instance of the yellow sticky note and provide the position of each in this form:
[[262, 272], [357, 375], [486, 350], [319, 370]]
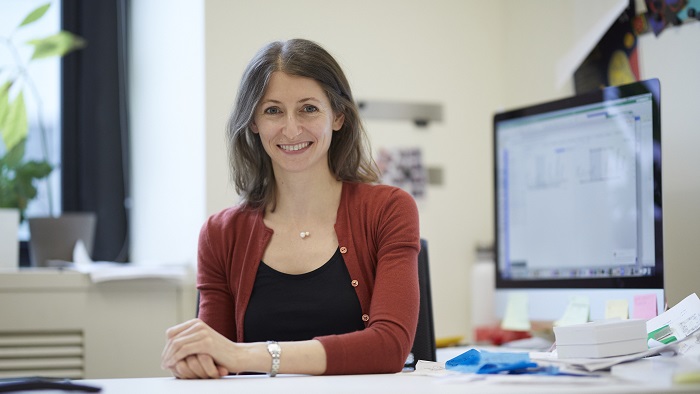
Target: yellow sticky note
[[577, 312], [516, 317], [616, 309]]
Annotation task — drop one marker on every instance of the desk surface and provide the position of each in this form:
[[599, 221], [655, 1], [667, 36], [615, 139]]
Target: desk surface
[[389, 383], [404, 383]]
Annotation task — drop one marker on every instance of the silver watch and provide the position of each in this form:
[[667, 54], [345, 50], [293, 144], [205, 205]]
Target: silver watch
[[275, 350]]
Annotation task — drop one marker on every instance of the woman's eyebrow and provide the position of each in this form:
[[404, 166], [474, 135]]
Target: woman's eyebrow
[[309, 99]]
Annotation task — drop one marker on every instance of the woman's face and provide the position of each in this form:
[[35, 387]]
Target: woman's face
[[295, 122]]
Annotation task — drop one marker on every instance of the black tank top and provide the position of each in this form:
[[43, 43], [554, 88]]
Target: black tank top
[[285, 307]]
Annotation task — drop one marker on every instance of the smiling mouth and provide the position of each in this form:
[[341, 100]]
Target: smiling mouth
[[296, 147]]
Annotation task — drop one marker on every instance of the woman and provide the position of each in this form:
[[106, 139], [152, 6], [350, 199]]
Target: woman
[[315, 271]]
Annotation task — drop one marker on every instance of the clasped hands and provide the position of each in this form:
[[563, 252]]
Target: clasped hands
[[196, 351]]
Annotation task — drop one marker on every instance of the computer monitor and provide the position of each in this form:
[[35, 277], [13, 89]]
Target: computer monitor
[[578, 201]]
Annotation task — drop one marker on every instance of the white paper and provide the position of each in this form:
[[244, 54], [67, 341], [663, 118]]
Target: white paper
[[683, 318], [80, 254], [104, 271], [437, 370], [431, 368], [597, 364]]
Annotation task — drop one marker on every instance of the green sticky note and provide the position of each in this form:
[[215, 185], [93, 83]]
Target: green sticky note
[[516, 317], [577, 312]]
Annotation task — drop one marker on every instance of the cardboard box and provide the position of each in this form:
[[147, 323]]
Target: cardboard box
[[606, 338]]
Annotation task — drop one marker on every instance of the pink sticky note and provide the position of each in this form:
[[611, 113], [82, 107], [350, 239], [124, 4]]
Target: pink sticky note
[[644, 306]]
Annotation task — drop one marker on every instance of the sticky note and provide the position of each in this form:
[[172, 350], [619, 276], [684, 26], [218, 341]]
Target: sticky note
[[516, 317], [616, 309], [644, 306], [577, 312]]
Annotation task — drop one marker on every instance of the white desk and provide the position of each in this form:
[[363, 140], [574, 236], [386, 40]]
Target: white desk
[[405, 383]]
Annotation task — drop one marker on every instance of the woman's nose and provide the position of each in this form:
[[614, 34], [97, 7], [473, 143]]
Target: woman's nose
[[292, 128]]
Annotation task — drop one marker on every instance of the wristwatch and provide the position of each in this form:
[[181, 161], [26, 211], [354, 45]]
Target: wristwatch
[[275, 350]]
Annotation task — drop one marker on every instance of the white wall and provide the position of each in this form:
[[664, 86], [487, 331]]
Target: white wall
[[545, 38], [167, 129]]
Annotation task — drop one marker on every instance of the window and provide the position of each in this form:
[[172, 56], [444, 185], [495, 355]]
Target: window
[[39, 79]]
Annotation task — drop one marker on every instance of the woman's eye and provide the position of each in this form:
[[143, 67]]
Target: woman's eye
[[272, 110], [309, 108]]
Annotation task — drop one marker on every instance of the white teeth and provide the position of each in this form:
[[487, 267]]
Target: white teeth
[[295, 147]]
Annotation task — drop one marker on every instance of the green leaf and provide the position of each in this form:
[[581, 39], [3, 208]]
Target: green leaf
[[35, 15], [58, 44], [15, 126], [35, 169], [4, 106], [25, 191], [14, 156], [7, 200]]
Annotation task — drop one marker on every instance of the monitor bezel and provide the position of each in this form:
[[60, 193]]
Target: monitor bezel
[[600, 96]]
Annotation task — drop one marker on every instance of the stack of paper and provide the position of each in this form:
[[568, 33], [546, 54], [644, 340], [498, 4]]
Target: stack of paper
[[683, 320], [606, 338], [104, 271]]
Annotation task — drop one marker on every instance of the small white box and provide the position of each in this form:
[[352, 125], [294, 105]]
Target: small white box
[[607, 338]]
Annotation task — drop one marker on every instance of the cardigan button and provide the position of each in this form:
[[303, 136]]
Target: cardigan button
[[365, 317], [354, 283], [343, 249]]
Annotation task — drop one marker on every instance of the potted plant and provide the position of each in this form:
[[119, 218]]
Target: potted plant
[[19, 176]]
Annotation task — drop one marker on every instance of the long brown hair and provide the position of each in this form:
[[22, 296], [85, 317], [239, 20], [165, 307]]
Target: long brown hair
[[349, 157]]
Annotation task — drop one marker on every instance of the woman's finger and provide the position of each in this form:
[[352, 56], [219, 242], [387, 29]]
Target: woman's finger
[[196, 367], [187, 345], [182, 371], [223, 371], [207, 363], [176, 330], [179, 349], [191, 350]]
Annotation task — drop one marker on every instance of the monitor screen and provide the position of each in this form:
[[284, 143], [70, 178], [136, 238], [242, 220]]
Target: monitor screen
[[578, 197]]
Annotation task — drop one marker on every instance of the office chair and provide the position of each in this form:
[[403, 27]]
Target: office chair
[[424, 343]]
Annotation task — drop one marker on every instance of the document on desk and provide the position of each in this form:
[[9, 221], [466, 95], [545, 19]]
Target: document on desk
[[104, 271], [599, 364], [682, 322], [445, 376]]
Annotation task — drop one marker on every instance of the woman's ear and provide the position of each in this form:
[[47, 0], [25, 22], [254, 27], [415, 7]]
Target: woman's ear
[[254, 128], [338, 121]]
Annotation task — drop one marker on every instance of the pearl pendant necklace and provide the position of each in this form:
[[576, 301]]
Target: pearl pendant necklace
[[304, 234]]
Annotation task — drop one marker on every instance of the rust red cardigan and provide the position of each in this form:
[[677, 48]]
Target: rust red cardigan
[[378, 234]]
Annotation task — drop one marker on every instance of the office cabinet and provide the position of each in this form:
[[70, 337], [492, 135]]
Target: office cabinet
[[60, 323]]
